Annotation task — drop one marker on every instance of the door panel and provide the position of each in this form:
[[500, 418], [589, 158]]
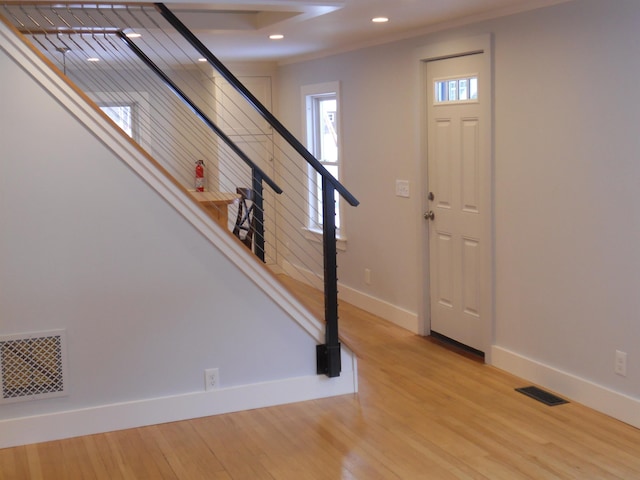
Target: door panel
[[455, 177], [469, 158], [470, 277], [441, 173], [444, 255]]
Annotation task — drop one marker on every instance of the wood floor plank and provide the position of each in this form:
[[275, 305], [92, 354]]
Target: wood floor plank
[[13, 463], [34, 462], [106, 464], [182, 448], [423, 412], [80, 462], [139, 456]]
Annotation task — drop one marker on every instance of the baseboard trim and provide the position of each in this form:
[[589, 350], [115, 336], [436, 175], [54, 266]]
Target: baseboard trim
[[392, 313], [617, 405], [107, 418]]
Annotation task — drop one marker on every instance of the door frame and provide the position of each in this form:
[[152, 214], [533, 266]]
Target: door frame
[[456, 48]]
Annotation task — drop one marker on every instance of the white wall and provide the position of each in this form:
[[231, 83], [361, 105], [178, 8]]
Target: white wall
[[147, 301], [566, 172], [166, 127], [379, 145], [567, 223]]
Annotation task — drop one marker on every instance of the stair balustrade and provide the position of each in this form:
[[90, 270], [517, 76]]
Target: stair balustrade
[[158, 82]]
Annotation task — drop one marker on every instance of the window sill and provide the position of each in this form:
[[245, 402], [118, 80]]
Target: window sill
[[315, 235]]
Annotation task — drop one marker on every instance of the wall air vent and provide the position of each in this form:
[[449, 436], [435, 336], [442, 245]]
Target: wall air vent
[[32, 366]]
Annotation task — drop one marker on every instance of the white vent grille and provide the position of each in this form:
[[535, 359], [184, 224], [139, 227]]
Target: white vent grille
[[32, 366]]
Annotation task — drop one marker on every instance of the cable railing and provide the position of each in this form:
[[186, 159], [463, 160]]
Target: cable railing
[[157, 81]]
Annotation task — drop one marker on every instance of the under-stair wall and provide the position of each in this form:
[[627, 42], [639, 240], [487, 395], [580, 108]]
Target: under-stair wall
[[149, 291]]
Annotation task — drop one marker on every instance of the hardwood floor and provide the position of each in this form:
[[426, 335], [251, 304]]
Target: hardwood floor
[[423, 412]]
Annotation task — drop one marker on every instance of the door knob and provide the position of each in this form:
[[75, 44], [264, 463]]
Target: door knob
[[429, 215]]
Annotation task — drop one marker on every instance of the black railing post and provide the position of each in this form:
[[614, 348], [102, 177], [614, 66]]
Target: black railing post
[[258, 213], [328, 355]]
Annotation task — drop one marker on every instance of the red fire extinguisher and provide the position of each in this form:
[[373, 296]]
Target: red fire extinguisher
[[199, 176]]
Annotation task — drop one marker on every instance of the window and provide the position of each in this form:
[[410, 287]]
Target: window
[[130, 111], [459, 89], [323, 142], [122, 115], [322, 126]]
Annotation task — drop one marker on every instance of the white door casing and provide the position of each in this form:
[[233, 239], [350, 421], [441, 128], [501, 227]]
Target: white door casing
[[458, 167]]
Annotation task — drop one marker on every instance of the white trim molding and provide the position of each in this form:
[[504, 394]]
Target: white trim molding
[[119, 416], [317, 236], [381, 308], [617, 405], [390, 312]]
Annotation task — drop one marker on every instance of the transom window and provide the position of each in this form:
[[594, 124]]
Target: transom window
[[458, 89]]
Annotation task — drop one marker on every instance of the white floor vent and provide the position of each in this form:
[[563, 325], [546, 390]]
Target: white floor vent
[[32, 366]]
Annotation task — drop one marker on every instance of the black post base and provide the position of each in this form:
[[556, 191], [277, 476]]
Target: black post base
[[328, 360]]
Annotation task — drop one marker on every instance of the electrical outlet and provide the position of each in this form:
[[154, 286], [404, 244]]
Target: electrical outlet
[[402, 188], [367, 276], [211, 379], [620, 366]]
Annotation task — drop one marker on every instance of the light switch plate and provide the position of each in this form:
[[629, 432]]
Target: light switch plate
[[402, 188]]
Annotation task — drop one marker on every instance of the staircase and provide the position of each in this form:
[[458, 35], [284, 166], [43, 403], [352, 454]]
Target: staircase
[[104, 244], [184, 106]]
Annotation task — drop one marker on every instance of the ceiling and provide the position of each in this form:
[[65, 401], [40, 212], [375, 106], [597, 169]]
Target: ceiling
[[239, 30]]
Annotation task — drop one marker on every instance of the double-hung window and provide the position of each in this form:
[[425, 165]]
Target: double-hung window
[[322, 127]]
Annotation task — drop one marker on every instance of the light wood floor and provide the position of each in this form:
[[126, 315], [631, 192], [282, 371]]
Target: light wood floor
[[423, 412]]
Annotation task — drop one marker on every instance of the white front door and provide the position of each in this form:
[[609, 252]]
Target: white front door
[[458, 166]]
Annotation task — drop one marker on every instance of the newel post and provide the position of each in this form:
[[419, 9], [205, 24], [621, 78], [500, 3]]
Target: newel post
[[328, 355]]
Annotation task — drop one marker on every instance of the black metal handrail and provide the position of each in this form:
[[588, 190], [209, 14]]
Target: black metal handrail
[[203, 116], [328, 355], [257, 174], [254, 102]]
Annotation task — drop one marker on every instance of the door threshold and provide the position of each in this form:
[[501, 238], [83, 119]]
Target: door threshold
[[457, 347]]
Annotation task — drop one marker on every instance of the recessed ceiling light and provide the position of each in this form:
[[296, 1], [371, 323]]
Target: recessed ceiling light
[[133, 35], [202, 59], [276, 36], [93, 59], [380, 20]]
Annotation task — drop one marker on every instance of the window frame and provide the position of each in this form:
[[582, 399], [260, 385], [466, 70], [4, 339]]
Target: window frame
[[310, 95], [446, 83], [139, 101], [135, 135]]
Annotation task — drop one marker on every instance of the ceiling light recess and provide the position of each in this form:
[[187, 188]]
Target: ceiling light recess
[[276, 36], [380, 19]]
